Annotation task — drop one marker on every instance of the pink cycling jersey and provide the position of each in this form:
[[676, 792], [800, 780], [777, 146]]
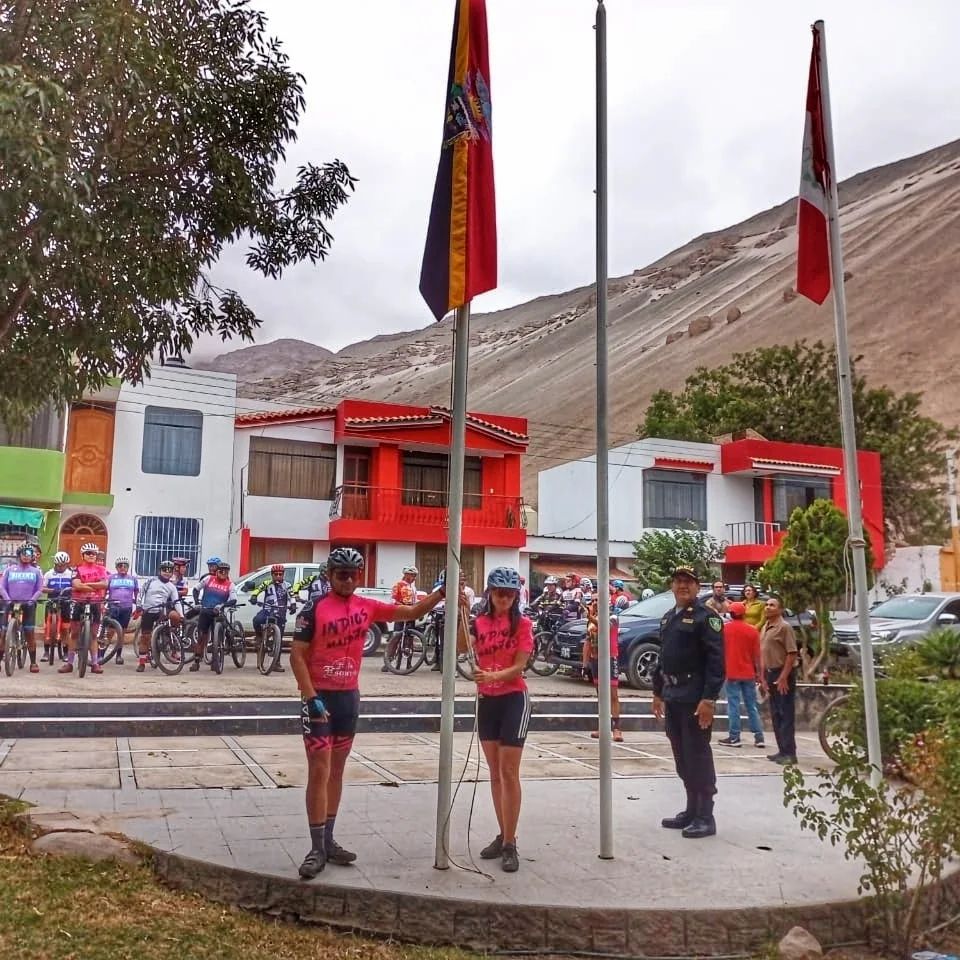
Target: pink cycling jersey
[[495, 649], [91, 573], [340, 627]]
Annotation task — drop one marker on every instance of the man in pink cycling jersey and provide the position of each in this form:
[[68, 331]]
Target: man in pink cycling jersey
[[325, 656], [89, 585]]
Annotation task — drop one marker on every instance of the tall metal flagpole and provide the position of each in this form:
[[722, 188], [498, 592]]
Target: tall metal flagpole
[[603, 493], [458, 438], [848, 426]]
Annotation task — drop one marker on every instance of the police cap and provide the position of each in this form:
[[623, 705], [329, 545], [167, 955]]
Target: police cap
[[684, 571]]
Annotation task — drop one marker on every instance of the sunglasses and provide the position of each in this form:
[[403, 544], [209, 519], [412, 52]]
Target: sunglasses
[[345, 574]]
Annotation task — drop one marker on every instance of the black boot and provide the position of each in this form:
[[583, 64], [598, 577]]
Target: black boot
[[685, 818], [703, 824]]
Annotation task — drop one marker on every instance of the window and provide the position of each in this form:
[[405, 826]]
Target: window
[[172, 440], [291, 468], [44, 430], [674, 498], [426, 480], [432, 558], [162, 538], [792, 492], [264, 550]]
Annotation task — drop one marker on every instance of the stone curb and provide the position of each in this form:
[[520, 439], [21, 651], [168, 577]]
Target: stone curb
[[436, 920]]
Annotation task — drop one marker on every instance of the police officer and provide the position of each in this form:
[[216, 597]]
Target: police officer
[[686, 684]]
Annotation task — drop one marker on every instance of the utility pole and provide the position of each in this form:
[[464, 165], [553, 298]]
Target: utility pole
[[954, 522]]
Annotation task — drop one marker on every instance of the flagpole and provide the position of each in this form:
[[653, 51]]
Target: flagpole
[[848, 427], [603, 492], [458, 436]]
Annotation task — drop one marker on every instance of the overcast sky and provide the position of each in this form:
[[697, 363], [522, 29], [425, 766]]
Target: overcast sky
[[706, 119]]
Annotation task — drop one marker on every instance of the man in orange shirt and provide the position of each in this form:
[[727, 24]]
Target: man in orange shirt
[[741, 653]]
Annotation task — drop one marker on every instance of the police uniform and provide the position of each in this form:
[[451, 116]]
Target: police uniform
[[690, 670]]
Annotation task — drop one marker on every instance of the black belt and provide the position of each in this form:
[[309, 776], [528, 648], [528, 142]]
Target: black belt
[[675, 679]]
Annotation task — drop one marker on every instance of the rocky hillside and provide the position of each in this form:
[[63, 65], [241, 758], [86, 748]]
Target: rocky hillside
[[722, 292], [274, 359]]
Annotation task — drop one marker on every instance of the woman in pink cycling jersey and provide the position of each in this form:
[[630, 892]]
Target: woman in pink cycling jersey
[[502, 641]]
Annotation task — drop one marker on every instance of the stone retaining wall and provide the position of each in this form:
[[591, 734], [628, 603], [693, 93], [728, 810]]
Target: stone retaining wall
[[554, 929]]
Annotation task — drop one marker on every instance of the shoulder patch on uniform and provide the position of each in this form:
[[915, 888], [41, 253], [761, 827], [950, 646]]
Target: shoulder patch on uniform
[[715, 623]]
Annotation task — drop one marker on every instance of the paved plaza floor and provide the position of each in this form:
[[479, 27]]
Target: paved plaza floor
[[222, 800]]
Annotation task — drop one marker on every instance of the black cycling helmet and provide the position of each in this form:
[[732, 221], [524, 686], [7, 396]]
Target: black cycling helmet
[[503, 578], [345, 558], [166, 566], [223, 567]]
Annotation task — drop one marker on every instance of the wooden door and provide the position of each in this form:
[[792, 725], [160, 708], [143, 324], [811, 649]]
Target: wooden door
[[356, 484], [81, 529], [89, 451]]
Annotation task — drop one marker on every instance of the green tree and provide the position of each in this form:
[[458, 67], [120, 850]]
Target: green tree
[[790, 393], [809, 571], [659, 552], [138, 139]]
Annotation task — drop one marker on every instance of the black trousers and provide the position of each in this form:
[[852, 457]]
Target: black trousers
[[691, 748], [782, 713]]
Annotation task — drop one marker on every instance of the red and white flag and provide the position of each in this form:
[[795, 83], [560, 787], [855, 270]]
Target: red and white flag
[[813, 247]]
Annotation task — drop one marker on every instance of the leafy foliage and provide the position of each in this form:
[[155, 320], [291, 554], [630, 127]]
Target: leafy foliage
[[939, 652], [659, 552], [140, 139], [809, 570], [903, 836], [789, 393]]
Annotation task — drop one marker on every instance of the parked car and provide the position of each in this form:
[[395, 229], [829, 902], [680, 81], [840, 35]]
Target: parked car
[[896, 622], [294, 573], [639, 636]]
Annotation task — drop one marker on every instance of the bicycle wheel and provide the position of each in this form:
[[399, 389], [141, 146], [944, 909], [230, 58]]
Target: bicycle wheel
[[834, 732], [215, 646], [10, 650], [464, 666], [21, 652], [538, 661], [431, 645], [188, 641], [109, 639], [165, 650], [404, 652], [238, 645], [268, 650], [83, 647]]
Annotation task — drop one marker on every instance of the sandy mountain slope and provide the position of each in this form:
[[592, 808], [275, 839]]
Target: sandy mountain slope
[[265, 359], [720, 293]]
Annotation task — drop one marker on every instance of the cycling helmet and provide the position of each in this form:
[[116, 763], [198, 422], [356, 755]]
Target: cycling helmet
[[180, 561], [213, 561], [61, 557], [412, 570], [89, 548], [276, 568], [166, 566], [26, 550], [322, 572], [550, 582], [617, 584], [585, 584], [222, 565], [122, 561], [647, 594], [345, 558], [503, 578]]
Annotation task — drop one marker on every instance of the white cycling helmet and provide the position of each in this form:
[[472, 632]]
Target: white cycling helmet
[[647, 594], [89, 548], [585, 584], [123, 560], [412, 570], [550, 582], [61, 557]]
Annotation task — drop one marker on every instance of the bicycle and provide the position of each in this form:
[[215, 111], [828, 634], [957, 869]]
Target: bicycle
[[227, 636], [85, 637], [53, 627], [15, 651], [546, 628], [269, 642], [169, 647], [109, 639], [405, 644], [433, 637]]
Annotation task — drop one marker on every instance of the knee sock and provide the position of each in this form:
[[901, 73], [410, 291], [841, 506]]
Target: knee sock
[[71, 657], [317, 834], [328, 830], [33, 655]]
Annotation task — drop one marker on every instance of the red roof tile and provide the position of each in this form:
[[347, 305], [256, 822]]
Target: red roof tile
[[275, 416]]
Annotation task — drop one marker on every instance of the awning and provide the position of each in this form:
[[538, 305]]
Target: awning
[[21, 517], [583, 568]]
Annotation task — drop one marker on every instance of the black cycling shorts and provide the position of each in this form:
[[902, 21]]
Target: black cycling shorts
[[504, 718], [340, 727], [76, 610], [205, 619], [28, 615], [120, 614]]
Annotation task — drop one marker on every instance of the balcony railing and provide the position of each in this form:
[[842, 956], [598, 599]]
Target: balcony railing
[[404, 505], [754, 533]]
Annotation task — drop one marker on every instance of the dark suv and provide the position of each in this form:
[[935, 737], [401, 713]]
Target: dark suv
[[639, 636]]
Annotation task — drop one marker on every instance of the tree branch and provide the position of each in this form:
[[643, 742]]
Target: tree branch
[[13, 311]]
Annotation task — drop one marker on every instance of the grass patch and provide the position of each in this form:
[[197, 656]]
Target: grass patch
[[69, 909]]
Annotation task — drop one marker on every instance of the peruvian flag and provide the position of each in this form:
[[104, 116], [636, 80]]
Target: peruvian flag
[[813, 248]]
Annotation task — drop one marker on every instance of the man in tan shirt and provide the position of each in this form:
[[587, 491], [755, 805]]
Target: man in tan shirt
[[778, 654]]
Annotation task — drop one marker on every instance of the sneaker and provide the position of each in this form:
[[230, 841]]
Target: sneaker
[[730, 742], [119, 660], [96, 668], [336, 854], [758, 743], [775, 757], [65, 668], [34, 668], [195, 666], [617, 735], [141, 666], [279, 669], [312, 864], [493, 849], [509, 859], [786, 761]]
